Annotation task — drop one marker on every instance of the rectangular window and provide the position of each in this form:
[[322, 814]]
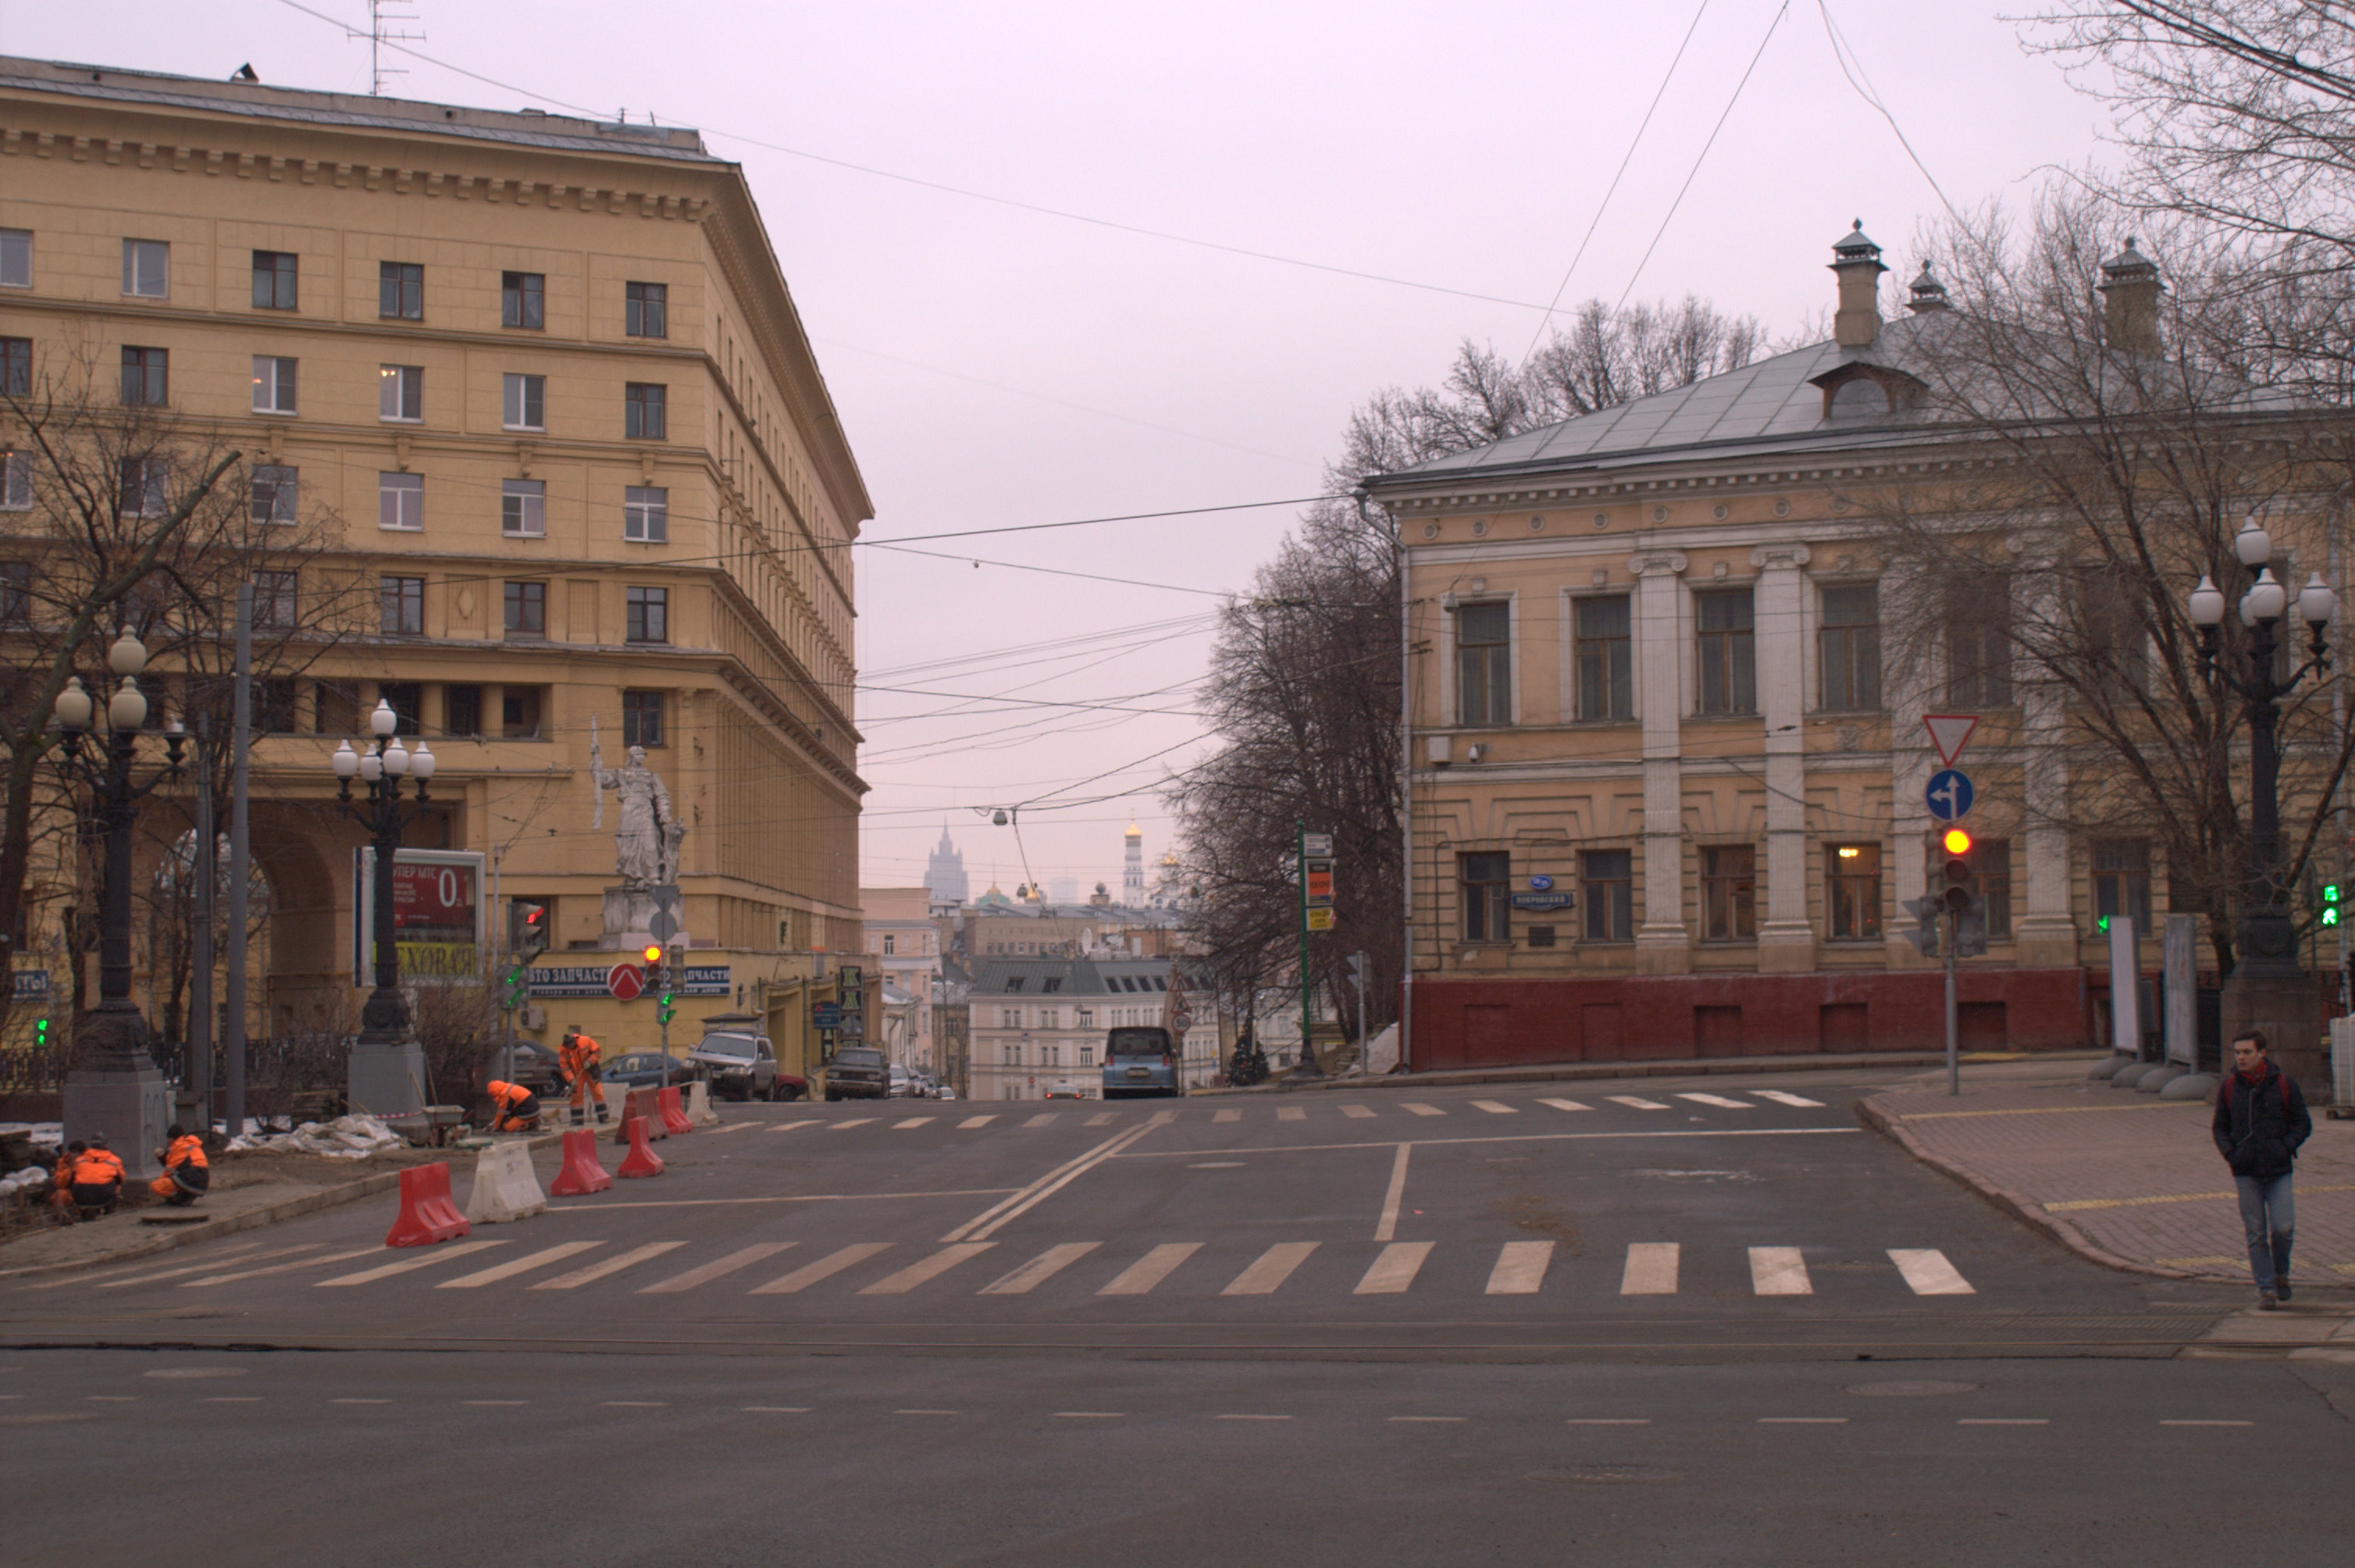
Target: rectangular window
[[647, 312], [523, 300], [523, 508], [400, 501], [146, 376], [648, 612], [146, 484], [2116, 642], [646, 515], [15, 367], [1729, 892], [400, 392], [273, 706], [148, 269], [1609, 881], [642, 718], [402, 600], [1486, 880], [462, 709], [273, 495], [16, 258], [1605, 657], [1729, 669], [1483, 664], [273, 385], [406, 701], [15, 593], [274, 274], [890, 946], [641, 410], [1979, 642], [1852, 892], [519, 712], [274, 606], [337, 707], [525, 403], [400, 291], [2121, 884], [15, 481], [1850, 645], [527, 609]]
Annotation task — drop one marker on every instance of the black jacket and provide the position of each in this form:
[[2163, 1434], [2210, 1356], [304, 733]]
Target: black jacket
[[2258, 1130]]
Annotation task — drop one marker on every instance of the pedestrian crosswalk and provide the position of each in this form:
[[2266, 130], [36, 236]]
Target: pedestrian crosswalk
[[1081, 1269]]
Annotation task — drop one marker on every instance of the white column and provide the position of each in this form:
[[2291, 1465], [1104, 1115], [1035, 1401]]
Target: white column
[[1663, 942], [1908, 688], [2046, 935], [1786, 941]]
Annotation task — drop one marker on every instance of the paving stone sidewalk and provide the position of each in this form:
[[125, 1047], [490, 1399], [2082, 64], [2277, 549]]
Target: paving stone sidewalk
[[2126, 1177]]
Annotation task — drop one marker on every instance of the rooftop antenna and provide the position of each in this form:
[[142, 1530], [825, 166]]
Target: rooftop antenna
[[378, 36]]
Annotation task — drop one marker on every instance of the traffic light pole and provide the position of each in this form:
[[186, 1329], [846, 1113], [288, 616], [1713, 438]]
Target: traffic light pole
[[1953, 1009]]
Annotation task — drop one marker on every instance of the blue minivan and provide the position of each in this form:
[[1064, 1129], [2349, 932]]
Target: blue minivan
[[1140, 1061]]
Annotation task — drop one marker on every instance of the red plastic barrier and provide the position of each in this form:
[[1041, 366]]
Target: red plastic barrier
[[641, 1160], [582, 1173], [427, 1213], [674, 1115], [640, 1103]]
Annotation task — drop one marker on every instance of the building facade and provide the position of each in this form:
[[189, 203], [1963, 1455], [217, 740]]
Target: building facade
[[904, 953], [540, 384], [1036, 1022]]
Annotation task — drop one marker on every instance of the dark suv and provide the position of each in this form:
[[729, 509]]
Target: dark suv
[[858, 1072]]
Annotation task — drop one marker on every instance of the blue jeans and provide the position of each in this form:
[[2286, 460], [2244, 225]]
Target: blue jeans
[[2270, 1217]]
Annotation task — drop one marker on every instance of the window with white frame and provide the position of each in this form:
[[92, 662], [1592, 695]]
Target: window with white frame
[[400, 392], [524, 406], [274, 384], [645, 513], [523, 508], [400, 501], [1483, 664], [15, 480], [16, 258], [148, 269], [273, 494]]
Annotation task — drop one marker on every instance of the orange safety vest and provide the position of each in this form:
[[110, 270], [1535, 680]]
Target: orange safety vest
[[582, 1055], [96, 1169], [187, 1149], [509, 1096]]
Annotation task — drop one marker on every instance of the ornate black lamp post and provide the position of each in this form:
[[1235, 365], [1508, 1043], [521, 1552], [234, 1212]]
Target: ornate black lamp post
[[115, 1089], [2268, 989], [387, 1068]]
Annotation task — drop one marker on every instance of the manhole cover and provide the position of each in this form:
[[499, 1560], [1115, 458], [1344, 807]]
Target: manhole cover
[[198, 1372], [1908, 1390], [1606, 1475]]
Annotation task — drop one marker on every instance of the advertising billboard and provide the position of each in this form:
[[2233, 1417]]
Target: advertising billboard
[[437, 913]]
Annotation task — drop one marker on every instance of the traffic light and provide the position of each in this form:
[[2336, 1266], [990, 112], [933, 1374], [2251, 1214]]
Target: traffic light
[[528, 924], [41, 1033], [664, 1004], [653, 954], [2333, 900], [1925, 934], [1960, 898]]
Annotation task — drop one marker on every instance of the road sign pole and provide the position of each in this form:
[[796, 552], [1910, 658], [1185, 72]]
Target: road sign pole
[[1953, 1012], [1307, 1066]]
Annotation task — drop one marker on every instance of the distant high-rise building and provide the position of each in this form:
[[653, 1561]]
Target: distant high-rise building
[[1132, 875], [944, 874]]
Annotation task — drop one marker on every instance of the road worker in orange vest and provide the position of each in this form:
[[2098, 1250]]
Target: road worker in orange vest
[[186, 1172], [514, 1108], [96, 1179], [61, 1179], [582, 1061]]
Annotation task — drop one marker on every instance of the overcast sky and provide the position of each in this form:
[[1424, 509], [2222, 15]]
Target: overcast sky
[[996, 365]]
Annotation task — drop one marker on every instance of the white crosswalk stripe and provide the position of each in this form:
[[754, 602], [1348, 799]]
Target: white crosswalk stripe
[[1363, 1113], [1496, 1107], [1651, 1269], [1927, 1271], [743, 1257], [854, 1122], [1720, 1100], [1045, 1267], [1420, 1109], [1565, 1105], [1229, 1115], [1521, 1268], [971, 1122], [514, 1266], [607, 1267], [1141, 1276], [1273, 1267], [795, 1127], [912, 1122], [925, 1269], [1394, 1270], [826, 1267], [1637, 1102], [1040, 1120], [1782, 1098], [1102, 1119], [1779, 1270], [1290, 1114], [441, 1252]]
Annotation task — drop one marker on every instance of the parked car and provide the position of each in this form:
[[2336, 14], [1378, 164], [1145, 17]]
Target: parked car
[[945, 1091], [903, 1084], [533, 1065], [858, 1072], [742, 1065], [1063, 1089], [648, 1070]]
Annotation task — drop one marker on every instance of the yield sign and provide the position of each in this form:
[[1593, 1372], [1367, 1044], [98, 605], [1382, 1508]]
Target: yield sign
[[1948, 731], [626, 981]]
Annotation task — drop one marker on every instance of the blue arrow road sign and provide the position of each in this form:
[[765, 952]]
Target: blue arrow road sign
[[1949, 795]]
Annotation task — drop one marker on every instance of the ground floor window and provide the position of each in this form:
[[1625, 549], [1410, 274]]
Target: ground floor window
[[1487, 881], [1729, 892], [1609, 881], [1852, 892], [2121, 884]]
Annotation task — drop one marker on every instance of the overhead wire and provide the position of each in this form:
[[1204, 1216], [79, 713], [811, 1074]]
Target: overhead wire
[[1842, 53]]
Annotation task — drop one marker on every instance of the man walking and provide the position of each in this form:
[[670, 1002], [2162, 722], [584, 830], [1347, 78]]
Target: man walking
[[2260, 1122]]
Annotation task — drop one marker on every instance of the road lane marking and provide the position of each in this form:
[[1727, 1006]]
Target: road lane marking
[[1039, 1269], [299, 1264], [912, 1122], [1784, 1097], [1565, 1105], [825, 1267], [1251, 1418], [1651, 1269], [1803, 1421], [1040, 1120], [1290, 1114], [1394, 1269], [514, 1266], [926, 1413], [1521, 1268], [611, 1266], [779, 1198], [1420, 1109], [1362, 1112], [2206, 1424], [222, 1257], [777, 1409], [1608, 1421], [795, 1127], [972, 1121], [1497, 1107], [854, 1122], [1927, 1271], [729, 1127], [636, 1403], [1226, 1116], [924, 1269], [359, 1402], [2003, 1421], [982, 1224], [1388, 1225], [209, 1266], [1432, 1420], [1151, 1269], [1637, 1102], [1779, 1270], [1510, 1138], [441, 1253], [742, 1257], [505, 1402], [1089, 1414], [1102, 1119], [1273, 1267], [1719, 1100], [231, 1399]]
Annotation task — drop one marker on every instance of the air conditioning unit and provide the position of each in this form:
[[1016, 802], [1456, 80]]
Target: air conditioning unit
[[1439, 749], [531, 1015]]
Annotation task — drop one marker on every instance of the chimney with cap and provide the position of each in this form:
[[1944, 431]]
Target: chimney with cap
[[2130, 290], [1927, 293], [1857, 263]]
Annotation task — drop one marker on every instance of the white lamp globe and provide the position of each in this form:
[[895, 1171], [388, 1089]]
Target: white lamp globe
[[384, 720], [420, 763], [127, 709], [347, 761], [2206, 603], [128, 655], [2252, 545], [2267, 598], [371, 766], [73, 706], [2316, 603]]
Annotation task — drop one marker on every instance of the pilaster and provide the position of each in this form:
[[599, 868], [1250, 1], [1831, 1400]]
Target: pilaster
[[1663, 941], [2044, 934], [1786, 942]]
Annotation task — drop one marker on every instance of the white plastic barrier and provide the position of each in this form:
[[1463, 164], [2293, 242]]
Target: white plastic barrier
[[506, 1187], [699, 1104]]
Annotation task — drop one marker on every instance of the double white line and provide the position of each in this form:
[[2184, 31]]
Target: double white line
[[1006, 1209]]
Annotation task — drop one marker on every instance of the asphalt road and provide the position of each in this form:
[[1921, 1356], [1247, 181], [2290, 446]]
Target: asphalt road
[[1673, 1322]]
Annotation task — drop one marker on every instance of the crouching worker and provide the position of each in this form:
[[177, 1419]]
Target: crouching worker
[[97, 1175], [514, 1108], [61, 1179], [186, 1172]]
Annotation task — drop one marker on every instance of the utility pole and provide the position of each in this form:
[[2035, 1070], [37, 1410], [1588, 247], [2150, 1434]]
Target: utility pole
[[1308, 1066], [241, 867], [199, 1087]]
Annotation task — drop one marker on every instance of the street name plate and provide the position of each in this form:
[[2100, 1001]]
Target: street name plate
[[1315, 845]]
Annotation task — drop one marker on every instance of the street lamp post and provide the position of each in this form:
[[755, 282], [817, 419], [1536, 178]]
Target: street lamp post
[[388, 1065], [2268, 989], [115, 1088]]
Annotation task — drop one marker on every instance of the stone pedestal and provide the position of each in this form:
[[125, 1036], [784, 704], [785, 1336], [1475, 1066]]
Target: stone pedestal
[[629, 915], [2289, 1010], [130, 1107], [386, 1078]]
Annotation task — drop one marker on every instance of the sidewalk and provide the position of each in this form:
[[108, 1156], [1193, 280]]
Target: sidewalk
[[2126, 1179]]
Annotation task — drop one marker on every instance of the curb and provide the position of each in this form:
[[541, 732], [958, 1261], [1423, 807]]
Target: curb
[[1701, 1067]]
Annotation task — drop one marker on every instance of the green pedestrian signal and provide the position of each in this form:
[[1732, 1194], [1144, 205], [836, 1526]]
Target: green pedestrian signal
[[2102, 925], [41, 1031], [2333, 896], [665, 1008]]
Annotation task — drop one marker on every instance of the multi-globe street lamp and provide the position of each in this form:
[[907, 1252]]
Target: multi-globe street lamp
[[387, 1066], [115, 1088]]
